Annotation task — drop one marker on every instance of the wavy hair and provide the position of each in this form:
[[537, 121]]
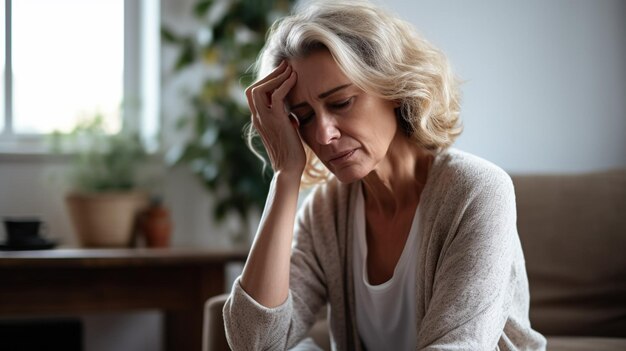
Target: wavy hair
[[382, 55]]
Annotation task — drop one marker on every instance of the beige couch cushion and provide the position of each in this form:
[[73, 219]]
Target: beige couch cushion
[[585, 344], [573, 231]]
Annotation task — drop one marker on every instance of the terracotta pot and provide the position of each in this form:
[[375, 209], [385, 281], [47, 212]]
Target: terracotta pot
[[105, 219], [156, 226]]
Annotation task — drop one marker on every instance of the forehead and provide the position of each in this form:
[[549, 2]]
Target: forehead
[[316, 74]]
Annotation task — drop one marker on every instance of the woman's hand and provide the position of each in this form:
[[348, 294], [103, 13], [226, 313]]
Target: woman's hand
[[279, 133], [265, 276]]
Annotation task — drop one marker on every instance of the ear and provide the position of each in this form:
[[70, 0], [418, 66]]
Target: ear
[[397, 103]]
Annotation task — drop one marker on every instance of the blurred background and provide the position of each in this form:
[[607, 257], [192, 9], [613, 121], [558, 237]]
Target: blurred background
[[544, 92]]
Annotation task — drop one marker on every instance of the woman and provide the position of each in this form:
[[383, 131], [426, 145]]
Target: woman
[[411, 244]]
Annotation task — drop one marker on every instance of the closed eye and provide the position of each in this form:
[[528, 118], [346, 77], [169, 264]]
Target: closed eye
[[303, 119], [342, 104], [339, 106]]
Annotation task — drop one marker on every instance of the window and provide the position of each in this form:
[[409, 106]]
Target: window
[[67, 60]]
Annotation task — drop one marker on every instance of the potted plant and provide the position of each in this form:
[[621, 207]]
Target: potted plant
[[104, 201], [228, 41]]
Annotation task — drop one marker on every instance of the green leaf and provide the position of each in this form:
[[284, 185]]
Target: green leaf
[[187, 55], [201, 7], [168, 36]]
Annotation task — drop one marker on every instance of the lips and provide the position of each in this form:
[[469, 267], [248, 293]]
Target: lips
[[342, 156]]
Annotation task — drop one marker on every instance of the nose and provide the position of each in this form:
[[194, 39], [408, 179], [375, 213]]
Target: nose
[[326, 129]]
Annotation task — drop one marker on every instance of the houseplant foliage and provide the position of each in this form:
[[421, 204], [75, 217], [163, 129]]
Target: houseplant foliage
[[227, 43], [103, 161], [104, 201]]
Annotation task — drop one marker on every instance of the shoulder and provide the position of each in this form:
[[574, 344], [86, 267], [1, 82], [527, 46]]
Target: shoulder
[[467, 174], [325, 207], [469, 198], [323, 222], [328, 197]]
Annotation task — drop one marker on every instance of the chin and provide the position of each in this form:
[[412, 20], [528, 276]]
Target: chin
[[349, 175]]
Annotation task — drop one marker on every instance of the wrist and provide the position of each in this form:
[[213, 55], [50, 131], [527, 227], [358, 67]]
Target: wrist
[[288, 177]]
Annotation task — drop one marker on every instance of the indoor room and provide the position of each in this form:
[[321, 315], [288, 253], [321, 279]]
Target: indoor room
[[133, 206]]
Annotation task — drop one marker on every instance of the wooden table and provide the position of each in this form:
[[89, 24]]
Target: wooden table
[[74, 281]]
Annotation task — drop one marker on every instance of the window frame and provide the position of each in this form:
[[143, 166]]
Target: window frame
[[141, 66]]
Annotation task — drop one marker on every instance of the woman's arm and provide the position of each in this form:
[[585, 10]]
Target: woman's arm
[[265, 275], [252, 326], [263, 310]]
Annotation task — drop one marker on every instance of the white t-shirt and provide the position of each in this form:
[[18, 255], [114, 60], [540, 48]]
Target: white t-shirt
[[385, 313]]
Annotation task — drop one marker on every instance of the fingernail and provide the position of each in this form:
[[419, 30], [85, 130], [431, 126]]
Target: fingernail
[[294, 118]]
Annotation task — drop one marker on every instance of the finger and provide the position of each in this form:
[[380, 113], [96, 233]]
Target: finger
[[274, 83], [261, 95], [264, 90], [294, 120], [279, 95], [275, 72], [251, 105], [295, 123]]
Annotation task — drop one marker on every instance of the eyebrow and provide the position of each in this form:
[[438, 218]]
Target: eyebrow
[[322, 95]]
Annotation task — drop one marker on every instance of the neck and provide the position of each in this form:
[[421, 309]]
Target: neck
[[398, 181]]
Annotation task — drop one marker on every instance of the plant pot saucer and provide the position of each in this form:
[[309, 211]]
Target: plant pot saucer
[[42, 245]]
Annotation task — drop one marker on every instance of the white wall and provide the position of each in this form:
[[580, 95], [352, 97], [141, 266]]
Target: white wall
[[545, 91], [545, 83]]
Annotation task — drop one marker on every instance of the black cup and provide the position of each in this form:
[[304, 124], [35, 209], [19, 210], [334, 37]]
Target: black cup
[[23, 231]]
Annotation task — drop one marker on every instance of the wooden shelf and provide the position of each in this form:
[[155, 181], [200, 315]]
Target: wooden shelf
[[73, 281]]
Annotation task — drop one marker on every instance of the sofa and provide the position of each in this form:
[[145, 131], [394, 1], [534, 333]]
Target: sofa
[[573, 233]]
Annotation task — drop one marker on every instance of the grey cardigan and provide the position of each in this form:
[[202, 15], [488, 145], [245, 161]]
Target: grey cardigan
[[472, 288]]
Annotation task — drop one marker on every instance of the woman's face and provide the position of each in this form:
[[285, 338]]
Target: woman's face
[[348, 129]]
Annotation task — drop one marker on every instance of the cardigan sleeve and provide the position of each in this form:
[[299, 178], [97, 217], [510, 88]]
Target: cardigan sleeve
[[471, 288], [251, 326]]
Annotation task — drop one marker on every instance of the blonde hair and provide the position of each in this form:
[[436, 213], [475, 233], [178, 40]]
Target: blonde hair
[[381, 54]]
